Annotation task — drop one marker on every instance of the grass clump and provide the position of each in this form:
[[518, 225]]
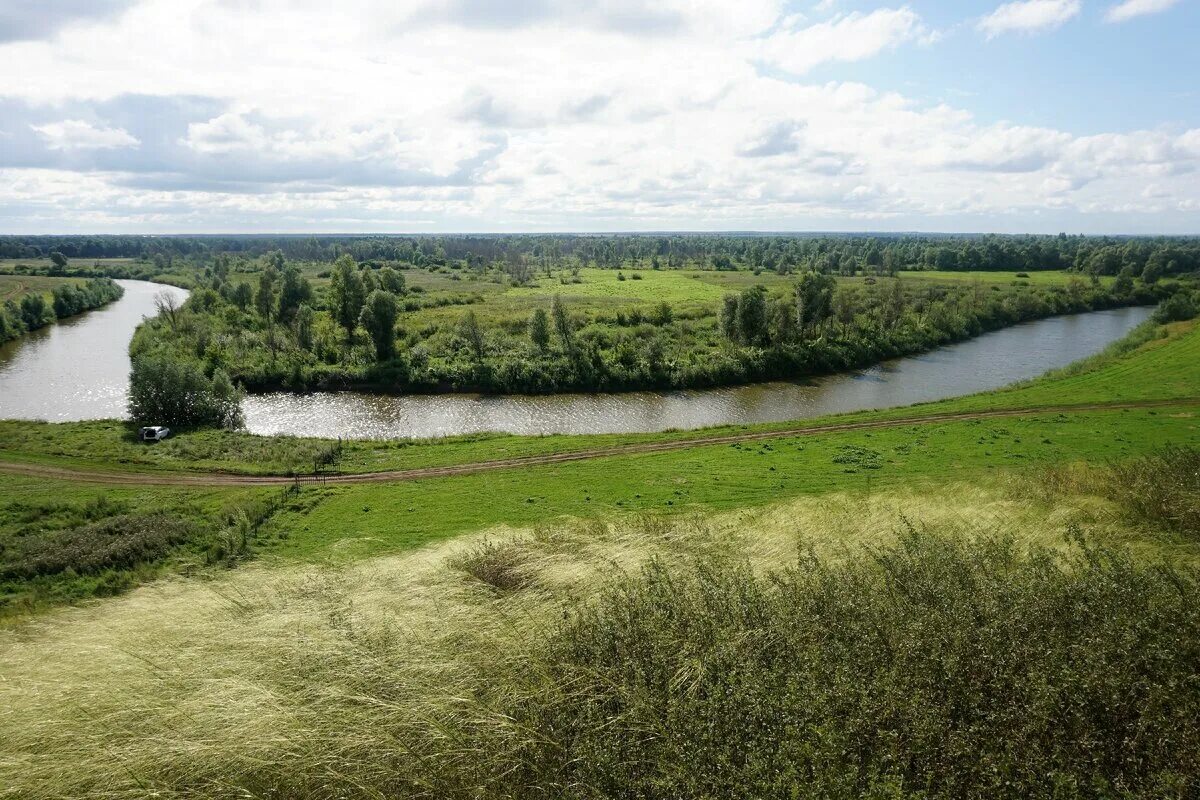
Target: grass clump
[[1161, 489], [932, 668], [502, 565]]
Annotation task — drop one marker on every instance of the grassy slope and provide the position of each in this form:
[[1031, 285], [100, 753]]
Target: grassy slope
[[347, 522], [301, 670], [359, 520]]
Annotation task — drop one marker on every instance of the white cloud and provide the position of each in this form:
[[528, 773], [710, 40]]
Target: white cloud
[[1029, 16], [295, 115], [77, 134], [848, 37], [1136, 8]]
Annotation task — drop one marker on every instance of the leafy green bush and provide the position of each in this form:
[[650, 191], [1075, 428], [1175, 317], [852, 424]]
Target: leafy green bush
[[119, 542], [930, 669], [165, 390]]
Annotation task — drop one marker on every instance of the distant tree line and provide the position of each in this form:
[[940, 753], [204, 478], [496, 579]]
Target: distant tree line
[[524, 254], [33, 311]]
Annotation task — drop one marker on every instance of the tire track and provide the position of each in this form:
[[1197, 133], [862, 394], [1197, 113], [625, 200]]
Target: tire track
[[216, 479]]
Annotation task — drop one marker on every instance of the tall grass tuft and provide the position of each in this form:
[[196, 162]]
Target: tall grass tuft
[[1162, 488]]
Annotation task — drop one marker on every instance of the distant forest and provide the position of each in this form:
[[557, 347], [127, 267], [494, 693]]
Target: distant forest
[[844, 254]]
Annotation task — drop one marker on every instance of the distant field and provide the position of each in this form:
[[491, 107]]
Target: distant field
[[1051, 277], [646, 285], [14, 287], [10, 264]]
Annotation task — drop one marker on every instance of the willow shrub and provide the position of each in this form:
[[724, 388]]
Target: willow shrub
[[934, 669]]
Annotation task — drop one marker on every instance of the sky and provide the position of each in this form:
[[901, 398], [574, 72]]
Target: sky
[[428, 116]]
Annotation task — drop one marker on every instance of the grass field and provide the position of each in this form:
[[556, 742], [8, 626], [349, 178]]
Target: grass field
[[405, 639], [14, 287]]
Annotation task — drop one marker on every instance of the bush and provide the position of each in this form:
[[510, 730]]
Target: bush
[[1161, 489], [1180, 306], [169, 391], [119, 542], [930, 669]]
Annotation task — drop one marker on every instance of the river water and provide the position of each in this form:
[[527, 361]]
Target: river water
[[79, 370]]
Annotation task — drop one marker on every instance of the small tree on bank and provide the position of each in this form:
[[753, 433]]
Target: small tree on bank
[[168, 391], [346, 294], [539, 329], [378, 319]]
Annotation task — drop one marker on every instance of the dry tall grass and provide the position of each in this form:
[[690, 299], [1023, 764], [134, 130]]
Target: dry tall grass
[[370, 680]]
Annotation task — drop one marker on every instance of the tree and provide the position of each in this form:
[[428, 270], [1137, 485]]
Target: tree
[[470, 331], [264, 298], [391, 281], [378, 319], [58, 260], [303, 325], [752, 316], [663, 314], [67, 300], [164, 390], [562, 325], [34, 312], [167, 306], [346, 294], [729, 317], [814, 299], [294, 289], [225, 401], [241, 296], [539, 329], [892, 306], [845, 304]]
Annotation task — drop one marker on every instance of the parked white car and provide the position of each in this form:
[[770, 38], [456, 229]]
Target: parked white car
[[155, 433]]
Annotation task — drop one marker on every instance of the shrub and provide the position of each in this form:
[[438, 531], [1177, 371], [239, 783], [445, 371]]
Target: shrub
[[119, 542], [1161, 489], [932, 669], [500, 565], [164, 390]]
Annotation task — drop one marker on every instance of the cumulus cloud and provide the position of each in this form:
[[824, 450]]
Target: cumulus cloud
[[37, 19], [77, 134], [850, 37], [1136, 8], [384, 115], [1029, 16]]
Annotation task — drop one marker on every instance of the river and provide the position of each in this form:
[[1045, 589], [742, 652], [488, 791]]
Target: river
[[78, 369]]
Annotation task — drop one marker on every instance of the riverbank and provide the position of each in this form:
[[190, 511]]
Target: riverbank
[[78, 368], [1143, 399], [30, 304]]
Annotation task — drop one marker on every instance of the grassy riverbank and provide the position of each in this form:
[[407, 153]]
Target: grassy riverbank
[[1159, 364], [1156, 362], [30, 303]]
